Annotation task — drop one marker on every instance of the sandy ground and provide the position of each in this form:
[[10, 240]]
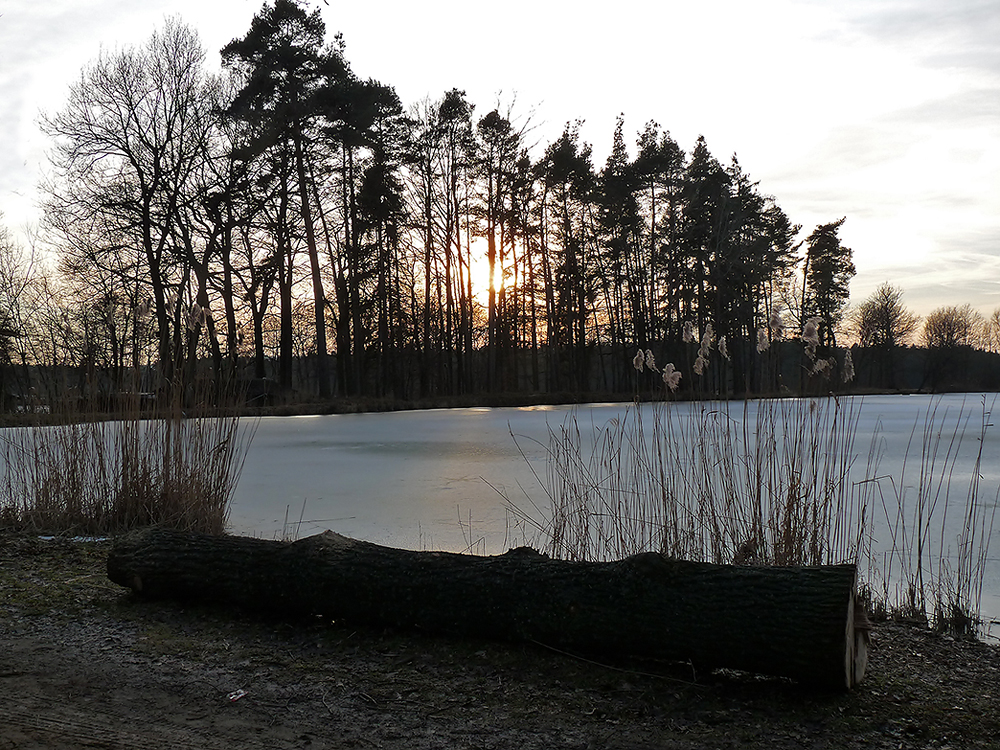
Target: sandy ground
[[84, 664]]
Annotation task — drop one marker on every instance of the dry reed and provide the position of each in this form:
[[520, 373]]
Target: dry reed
[[95, 475], [925, 573], [770, 487], [782, 483]]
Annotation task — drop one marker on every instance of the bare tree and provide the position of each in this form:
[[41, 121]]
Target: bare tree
[[991, 332], [15, 275], [948, 333], [127, 142], [883, 320], [948, 327], [881, 324]]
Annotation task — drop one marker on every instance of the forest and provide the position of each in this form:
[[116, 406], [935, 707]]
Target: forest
[[287, 221]]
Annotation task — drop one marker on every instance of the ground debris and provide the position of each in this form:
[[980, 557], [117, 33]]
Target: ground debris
[[85, 664]]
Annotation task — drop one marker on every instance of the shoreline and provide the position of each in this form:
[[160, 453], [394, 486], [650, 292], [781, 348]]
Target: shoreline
[[87, 663]]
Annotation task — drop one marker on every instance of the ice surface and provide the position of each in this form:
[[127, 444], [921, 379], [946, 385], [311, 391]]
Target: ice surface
[[416, 479]]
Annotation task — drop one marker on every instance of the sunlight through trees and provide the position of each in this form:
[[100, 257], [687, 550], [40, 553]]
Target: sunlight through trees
[[291, 220]]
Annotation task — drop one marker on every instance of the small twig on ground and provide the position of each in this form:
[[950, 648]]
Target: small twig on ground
[[613, 668]]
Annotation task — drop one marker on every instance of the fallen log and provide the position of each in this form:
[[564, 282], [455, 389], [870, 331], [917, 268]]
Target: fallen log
[[796, 622]]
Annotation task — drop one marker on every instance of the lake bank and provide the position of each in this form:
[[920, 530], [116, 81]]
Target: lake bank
[[86, 663]]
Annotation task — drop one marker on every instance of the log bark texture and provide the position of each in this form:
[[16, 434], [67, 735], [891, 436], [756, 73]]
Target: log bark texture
[[796, 622]]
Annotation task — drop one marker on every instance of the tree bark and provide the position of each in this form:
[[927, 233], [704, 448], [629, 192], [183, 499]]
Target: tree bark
[[796, 622]]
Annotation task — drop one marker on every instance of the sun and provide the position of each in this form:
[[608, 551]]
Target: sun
[[481, 273]]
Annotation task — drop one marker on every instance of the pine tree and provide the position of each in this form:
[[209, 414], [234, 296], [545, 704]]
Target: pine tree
[[286, 70], [828, 274]]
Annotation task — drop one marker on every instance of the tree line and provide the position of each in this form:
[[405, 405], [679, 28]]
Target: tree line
[[951, 335], [290, 219]]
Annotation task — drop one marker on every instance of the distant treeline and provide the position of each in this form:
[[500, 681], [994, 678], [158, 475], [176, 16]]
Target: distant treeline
[[785, 370]]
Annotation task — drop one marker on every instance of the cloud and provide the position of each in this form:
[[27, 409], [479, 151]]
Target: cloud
[[966, 107], [955, 266], [953, 34], [43, 48]]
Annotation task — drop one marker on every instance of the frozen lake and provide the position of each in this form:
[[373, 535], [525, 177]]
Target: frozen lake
[[430, 479], [415, 479]]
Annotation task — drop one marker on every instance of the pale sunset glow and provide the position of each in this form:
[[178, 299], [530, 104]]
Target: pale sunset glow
[[886, 114], [562, 327]]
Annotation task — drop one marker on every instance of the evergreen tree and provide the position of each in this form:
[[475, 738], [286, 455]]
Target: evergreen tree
[[286, 69], [568, 177], [659, 172], [625, 268], [705, 218], [382, 217], [457, 153], [756, 250], [313, 163], [828, 274], [499, 149]]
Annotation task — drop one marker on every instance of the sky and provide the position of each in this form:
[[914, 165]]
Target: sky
[[886, 112]]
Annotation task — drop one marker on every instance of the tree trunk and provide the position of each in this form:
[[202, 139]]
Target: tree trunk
[[792, 622], [316, 272]]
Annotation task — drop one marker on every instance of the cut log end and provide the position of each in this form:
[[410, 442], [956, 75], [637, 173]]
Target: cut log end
[[858, 639]]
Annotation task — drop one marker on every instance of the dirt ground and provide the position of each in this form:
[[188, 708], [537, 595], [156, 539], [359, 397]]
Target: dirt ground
[[84, 664]]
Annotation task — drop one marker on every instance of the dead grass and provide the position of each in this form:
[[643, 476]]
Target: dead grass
[[99, 474], [781, 482]]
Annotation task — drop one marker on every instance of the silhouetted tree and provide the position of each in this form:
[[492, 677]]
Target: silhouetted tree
[[949, 333], [828, 272], [315, 182], [882, 323], [133, 131], [15, 278], [952, 326], [705, 196], [286, 69], [756, 250], [624, 263], [500, 146], [882, 320], [659, 173], [568, 177], [457, 154], [381, 218], [991, 331]]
